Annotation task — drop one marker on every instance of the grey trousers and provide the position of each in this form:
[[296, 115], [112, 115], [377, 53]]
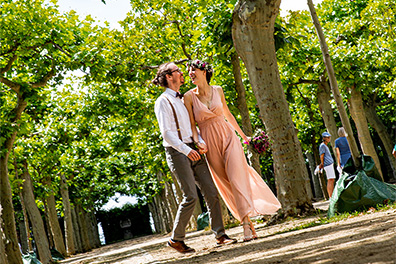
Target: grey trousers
[[189, 174]]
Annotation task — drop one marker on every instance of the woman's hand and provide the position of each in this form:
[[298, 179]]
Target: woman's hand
[[202, 148], [246, 140]]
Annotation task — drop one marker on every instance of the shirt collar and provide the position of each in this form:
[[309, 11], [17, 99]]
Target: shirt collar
[[170, 91]]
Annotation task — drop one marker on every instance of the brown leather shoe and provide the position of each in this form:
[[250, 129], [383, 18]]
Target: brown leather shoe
[[180, 246], [225, 240]]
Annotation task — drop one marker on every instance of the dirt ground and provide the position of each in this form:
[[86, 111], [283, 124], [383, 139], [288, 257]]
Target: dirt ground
[[367, 238]]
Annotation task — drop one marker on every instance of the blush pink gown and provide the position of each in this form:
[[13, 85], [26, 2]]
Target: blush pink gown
[[241, 187]]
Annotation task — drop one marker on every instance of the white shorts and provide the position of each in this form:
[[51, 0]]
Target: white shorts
[[330, 173]]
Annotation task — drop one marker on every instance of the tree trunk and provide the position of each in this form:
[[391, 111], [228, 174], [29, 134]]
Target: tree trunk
[[356, 109], [386, 139], [47, 227], [318, 191], [334, 87], [69, 234], [23, 235], [81, 215], [154, 214], [166, 204], [253, 36], [247, 128], [8, 225], [9, 229], [93, 231], [165, 216], [3, 256], [25, 238], [53, 220], [324, 98], [170, 198], [39, 233], [76, 231]]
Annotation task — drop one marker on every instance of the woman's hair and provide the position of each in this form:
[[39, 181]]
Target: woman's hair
[[203, 66], [341, 132], [160, 78]]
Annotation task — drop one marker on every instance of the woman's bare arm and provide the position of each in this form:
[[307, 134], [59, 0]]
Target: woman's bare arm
[[227, 114]]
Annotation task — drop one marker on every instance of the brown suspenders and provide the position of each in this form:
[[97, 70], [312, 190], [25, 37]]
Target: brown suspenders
[[177, 121]]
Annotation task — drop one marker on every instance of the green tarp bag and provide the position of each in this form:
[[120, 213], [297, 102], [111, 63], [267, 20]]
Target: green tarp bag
[[30, 258], [202, 221], [357, 191], [56, 255]]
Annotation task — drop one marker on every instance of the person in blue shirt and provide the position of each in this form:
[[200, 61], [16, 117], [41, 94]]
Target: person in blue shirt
[[394, 151], [342, 148], [326, 162]]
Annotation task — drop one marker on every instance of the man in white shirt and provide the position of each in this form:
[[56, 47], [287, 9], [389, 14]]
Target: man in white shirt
[[184, 159]]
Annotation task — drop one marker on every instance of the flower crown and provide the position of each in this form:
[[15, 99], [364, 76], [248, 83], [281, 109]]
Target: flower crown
[[204, 66]]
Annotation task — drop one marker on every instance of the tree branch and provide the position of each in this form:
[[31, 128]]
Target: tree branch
[[14, 86], [301, 81], [44, 80], [61, 49], [10, 50], [144, 67], [182, 36], [9, 64], [389, 101]]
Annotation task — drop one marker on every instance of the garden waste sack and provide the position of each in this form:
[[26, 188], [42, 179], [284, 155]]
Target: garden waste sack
[[360, 189], [202, 221], [30, 258]]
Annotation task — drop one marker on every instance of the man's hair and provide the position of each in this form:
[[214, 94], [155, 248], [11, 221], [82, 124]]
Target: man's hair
[[341, 132], [203, 66], [160, 78]]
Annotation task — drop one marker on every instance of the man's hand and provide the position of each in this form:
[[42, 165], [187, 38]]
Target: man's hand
[[194, 155], [202, 148]]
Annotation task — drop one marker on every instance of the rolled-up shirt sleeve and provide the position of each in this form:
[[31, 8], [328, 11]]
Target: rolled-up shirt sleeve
[[167, 125]]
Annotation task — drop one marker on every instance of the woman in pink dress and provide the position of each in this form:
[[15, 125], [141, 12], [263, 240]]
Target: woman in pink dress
[[241, 187]]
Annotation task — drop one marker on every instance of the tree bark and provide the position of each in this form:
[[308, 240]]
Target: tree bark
[[356, 109], [39, 233], [81, 215], [8, 225], [318, 191], [69, 234], [165, 217], [324, 98], [47, 227], [53, 220], [93, 231], [167, 202], [3, 256], [23, 235], [25, 238], [386, 139], [247, 128], [334, 87], [76, 231], [253, 36], [154, 214]]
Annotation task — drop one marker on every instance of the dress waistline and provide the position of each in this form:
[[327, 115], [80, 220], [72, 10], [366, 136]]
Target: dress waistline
[[210, 121]]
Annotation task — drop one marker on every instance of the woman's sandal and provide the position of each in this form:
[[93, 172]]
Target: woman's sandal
[[246, 228], [254, 234]]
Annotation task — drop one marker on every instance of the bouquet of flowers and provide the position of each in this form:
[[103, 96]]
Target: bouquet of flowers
[[261, 143]]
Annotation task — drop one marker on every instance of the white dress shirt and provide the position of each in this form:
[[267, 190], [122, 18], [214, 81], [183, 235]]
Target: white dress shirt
[[167, 123]]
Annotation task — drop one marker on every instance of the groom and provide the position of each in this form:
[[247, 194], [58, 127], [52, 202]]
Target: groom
[[184, 159]]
